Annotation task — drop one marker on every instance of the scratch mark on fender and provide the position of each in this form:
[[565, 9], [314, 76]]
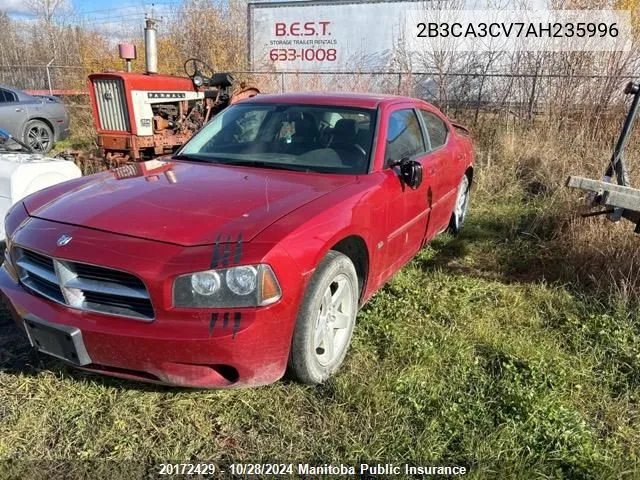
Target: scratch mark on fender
[[236, 323], [216, 252], [226, 252], [238, 255], [212, 323]]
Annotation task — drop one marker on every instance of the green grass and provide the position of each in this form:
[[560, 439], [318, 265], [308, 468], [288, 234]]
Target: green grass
[[469, 355]]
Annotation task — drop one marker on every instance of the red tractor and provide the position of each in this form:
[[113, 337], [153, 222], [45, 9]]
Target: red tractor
[[141, 116]]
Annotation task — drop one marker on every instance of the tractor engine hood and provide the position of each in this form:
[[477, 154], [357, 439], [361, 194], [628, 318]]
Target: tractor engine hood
[[181, 202]]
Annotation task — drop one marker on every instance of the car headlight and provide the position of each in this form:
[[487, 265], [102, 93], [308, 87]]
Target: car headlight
[[205, 283], [242, 286]]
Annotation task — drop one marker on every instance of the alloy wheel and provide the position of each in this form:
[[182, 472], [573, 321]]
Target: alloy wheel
[[39, 138], [462, 201], [335, 316]]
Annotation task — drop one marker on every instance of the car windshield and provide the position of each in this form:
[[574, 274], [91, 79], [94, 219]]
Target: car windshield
[[326, 139]]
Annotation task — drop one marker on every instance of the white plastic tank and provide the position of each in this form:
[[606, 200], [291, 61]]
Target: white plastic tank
[[22, 174]]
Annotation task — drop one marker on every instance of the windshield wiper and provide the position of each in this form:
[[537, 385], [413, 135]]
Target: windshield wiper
[[273, 165]]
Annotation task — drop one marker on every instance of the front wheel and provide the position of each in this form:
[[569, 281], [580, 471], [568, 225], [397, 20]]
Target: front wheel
[[325, 320], [459, 213]]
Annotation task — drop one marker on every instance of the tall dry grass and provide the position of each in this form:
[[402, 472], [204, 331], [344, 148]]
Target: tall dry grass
[[530, 162]]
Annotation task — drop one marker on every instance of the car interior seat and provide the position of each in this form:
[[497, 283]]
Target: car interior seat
[[345, 142], [345, 132], [363, 138], [304, 136]]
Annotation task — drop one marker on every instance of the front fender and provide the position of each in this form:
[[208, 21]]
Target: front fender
[[308, 233]]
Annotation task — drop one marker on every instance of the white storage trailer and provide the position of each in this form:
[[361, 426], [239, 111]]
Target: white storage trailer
[[345, 35], [325, 35], [22, 174]]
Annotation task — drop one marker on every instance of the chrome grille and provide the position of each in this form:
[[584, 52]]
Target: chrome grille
[[83, 286], [37, 273], [112, 107]]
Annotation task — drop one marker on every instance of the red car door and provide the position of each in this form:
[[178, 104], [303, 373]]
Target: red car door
[[407, 210], [439, 168]]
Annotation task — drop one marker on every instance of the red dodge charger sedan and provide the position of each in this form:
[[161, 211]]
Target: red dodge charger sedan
[[247, 253]]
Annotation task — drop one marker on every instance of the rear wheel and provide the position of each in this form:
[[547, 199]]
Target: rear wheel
[[459, 213], [325, 320], [38, 136]]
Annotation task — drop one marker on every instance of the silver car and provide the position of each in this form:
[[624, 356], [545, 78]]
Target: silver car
[[39, 121]]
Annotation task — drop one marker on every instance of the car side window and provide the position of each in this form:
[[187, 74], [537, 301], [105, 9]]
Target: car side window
[[436, 129], [404, 136], [7, 96]]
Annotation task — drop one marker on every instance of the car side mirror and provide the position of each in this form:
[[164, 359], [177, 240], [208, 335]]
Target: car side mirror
[[410, 172]]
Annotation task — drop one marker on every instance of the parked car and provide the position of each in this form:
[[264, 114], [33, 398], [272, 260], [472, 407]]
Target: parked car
[[23, 172], [39, 121], [248, 252]]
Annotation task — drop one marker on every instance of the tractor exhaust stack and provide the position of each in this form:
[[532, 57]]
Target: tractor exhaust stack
[[150, 46]]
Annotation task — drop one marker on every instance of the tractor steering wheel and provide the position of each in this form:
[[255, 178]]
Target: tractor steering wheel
[[198, 71]]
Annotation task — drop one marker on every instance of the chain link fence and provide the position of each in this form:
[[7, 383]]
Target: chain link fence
[[521, 94], [44, 77]]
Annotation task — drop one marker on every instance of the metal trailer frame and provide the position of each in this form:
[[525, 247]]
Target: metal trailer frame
[[620, 200]]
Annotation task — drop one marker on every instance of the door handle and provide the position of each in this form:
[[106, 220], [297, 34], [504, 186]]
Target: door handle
[[18, 109]]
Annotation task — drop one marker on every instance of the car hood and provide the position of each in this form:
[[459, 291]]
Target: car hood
[[185, 203]]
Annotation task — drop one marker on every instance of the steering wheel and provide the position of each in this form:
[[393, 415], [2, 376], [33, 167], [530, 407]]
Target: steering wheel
[[198, 71], [358, 147]]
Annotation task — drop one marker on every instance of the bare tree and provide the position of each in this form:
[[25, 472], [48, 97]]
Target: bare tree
[[48, 9]]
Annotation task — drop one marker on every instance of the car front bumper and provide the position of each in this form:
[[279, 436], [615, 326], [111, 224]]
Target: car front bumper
[[212, 348]]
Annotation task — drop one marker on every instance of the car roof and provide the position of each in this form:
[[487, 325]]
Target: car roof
[[361, 100]]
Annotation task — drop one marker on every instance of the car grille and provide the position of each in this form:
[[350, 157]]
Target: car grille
[[112, 107], [83, 286]]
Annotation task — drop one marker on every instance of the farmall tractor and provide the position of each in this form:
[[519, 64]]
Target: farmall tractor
[[142, 116]]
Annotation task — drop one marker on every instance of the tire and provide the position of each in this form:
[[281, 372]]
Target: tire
[[325, 320], [38, 135], [461, 206]]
